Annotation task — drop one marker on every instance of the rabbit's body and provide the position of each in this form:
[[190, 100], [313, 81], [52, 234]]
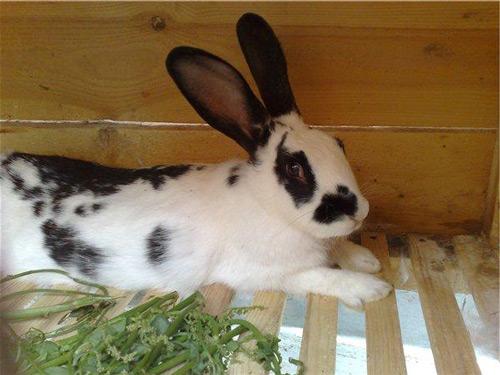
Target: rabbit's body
[[186, 232], [265, 223]]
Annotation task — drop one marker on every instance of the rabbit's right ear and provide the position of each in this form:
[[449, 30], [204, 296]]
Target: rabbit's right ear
[[267, 63], [220, 95]]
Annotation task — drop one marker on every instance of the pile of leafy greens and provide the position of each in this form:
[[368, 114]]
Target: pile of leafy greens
[[154, 337]]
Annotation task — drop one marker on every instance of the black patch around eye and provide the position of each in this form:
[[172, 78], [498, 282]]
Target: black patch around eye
[[300, 191], [333, 206], [233, 176], [157, 244], [340, 143], [38, 208], [68, 250]]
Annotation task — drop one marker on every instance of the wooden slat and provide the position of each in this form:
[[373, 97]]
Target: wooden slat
[[446, 193], [450, 341], [356, 64], [217, 298], [479, 263], [51, 322], [268, 320], [319, 337], [384, 346], [121, 303], [19, 302], [490, 217]]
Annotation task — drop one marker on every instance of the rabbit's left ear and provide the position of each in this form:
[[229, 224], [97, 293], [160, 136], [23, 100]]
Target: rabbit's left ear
[[267, 63], [220, 95]]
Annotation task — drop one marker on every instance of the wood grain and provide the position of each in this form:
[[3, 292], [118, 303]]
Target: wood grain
[[395, 64], [217, 298], [415, 181], [267, 320], [479, 263], [450, 341], [490, 217], [319, 338], [384, 346]]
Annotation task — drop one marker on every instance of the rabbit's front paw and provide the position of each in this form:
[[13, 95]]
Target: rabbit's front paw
[[364, 261], [360, 288]]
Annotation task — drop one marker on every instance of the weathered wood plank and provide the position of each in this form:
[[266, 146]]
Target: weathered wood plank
[[319, 337], [268, 320], [450, 342], [383, 335], [121, 303], [217, 298], [443, 197], [51, 322], [479, 263], [417, 64]]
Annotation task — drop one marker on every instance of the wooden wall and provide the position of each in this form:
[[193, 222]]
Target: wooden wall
[[412, 88]]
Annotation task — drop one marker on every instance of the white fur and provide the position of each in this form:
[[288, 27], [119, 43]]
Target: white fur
[[248, 236]]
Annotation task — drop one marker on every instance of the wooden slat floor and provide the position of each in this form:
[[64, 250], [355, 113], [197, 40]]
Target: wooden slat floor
[[435, 267]]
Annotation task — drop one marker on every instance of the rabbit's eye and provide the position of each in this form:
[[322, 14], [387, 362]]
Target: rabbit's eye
[[294, 169]]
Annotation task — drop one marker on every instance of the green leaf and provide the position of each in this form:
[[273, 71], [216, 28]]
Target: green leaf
[[57, 371], [47, 350], [160, 323]]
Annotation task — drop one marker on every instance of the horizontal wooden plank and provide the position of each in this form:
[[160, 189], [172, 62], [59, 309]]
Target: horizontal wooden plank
[[268, 321], [428, 182], [450, 341], [417, 64], [319, 338], [438, 15], [384, 347], [479, 263]]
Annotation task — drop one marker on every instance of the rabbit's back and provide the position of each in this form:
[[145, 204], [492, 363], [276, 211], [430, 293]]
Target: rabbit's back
[[123, 227]]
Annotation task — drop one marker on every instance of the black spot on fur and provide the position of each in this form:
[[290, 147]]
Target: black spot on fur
[[333, 206], [340, 143], [233, 175], [67, 250], [200, 167], [70, 176], [83, 210], [231, 180], [300, 191], [38, 208], [80, 210], [56, 207], [157, 244], [20, 186], [96, 207]]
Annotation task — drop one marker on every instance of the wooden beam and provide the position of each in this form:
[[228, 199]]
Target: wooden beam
[[319, 337], [479, 263], [217, 298], [384, 346], [450, 341], [268, 320]]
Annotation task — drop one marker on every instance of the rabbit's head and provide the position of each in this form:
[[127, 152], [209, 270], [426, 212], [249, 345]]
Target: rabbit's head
[[296, 172]]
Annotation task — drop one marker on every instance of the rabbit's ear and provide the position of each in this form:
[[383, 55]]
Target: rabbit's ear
[[267, 62], [220, 95]]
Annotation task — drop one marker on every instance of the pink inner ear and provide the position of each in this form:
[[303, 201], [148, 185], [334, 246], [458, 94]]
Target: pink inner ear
[[220, 91]]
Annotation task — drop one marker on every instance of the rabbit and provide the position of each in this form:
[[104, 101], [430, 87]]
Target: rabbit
[[266, 223]]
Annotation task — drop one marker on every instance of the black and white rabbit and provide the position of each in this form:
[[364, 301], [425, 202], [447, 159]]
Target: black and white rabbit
[[262, 223]]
